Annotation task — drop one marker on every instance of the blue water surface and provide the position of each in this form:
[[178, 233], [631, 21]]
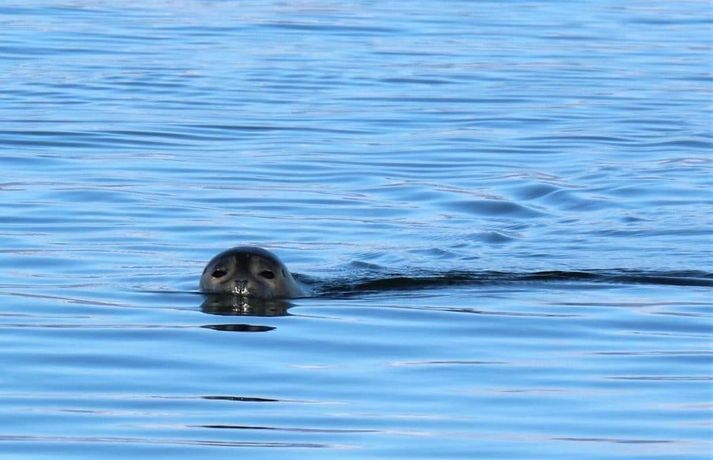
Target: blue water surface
[[502, 210]]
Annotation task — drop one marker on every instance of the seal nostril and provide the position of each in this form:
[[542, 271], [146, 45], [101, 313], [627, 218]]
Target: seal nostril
[[219, 272], [241, 287], [267, 274]]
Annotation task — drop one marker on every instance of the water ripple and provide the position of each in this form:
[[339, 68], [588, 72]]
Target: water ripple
[[502, 208]]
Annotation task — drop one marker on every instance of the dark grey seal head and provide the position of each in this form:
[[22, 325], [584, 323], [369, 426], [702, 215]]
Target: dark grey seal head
[[249, 271]]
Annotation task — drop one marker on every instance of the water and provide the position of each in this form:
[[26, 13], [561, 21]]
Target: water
[[502, 209]]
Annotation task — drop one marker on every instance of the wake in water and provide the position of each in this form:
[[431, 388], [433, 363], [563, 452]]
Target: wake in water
[[228, 304], [349, 287]]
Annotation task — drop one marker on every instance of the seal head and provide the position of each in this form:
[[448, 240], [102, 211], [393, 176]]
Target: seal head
[[249, 271]]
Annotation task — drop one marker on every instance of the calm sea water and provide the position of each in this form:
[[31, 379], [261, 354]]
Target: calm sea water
[[503, 210]]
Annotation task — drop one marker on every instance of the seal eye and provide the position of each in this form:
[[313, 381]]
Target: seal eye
[[267, 274], [219, 272]]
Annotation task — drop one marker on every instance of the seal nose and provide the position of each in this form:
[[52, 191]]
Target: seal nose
[[241, 287]]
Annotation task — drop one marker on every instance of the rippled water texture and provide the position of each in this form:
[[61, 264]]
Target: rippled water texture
[[502, 211]]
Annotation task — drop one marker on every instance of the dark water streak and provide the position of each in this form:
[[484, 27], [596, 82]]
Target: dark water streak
[[460, 278]]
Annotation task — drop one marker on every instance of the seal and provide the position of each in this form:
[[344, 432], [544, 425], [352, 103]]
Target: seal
[[249, 271]]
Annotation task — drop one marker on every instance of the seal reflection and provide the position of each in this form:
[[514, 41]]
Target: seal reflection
[[237, 305]]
